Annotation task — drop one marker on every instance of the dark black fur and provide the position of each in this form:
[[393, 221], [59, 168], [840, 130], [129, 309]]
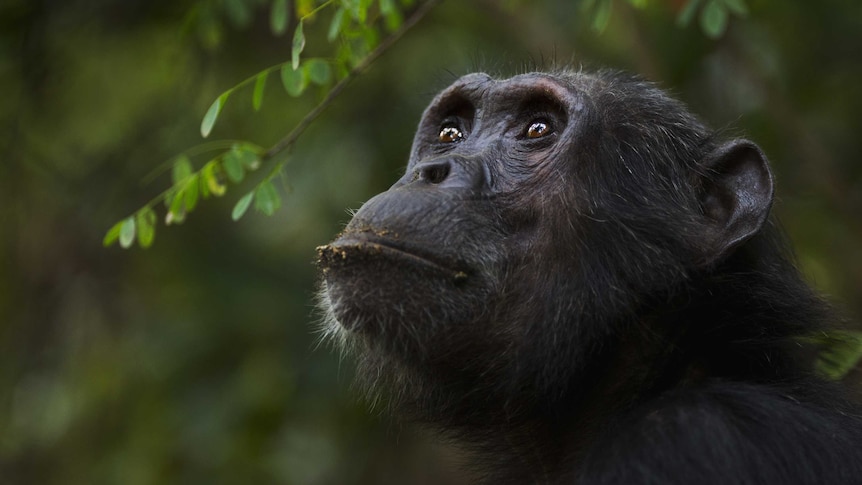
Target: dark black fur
[[607, 303]]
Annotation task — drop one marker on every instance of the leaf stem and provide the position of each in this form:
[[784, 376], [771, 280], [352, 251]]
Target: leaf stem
[[317, 9]]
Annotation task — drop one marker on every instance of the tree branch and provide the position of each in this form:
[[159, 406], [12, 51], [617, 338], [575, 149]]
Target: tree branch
[[288, 141]]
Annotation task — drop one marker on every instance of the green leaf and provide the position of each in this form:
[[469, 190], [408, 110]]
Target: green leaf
[[247, 156], [212, 114], [713, 19], [297, 46], [391, 13], [344, 60], [182, 169], [238, 12], [242, 206], [191, 191], [214, 185], [335, 25], [176, 212], [387, 7], [146, 222], [278, 17], [687, 14], [736, 6], [266, 198], [841, 352], [364, 5], [113, 234], [294, 80], [318, 71], [356, 11], [371, 38], [232, 164], [203, 186], [127, 232], [639, 4], [602, 16], [259, 84], [304, 7]]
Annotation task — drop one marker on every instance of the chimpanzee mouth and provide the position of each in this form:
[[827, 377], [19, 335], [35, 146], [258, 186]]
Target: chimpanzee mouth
[[350, 249]]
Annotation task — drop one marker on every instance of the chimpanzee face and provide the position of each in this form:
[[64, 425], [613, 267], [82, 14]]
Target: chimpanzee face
[[536, 214]]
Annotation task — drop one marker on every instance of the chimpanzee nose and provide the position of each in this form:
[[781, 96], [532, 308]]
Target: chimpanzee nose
[[451, 173]]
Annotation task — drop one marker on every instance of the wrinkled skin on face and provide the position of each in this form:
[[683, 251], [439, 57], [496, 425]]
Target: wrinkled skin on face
[[534, 219]]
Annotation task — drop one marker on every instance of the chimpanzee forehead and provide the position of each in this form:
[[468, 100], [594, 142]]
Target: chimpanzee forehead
[[481, 89]]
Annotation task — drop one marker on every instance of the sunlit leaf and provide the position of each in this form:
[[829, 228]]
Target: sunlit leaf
[[146, 227], [736, 6], [335, 25], [241, 206], [318, 71], [358, 10], [640, 4], [214, 185], [259, 85], [294, 80], [304, 7], [176, 212], [191, 191], [713, 19], [364, 5], [113, 234], [212, 114], [278, 17], [182, 169], [127, 232], [687, 14], [266, 198], [297, 46], [203, 185], [233, 165]]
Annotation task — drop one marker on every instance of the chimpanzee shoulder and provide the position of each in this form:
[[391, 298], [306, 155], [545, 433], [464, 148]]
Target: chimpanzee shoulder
[[729, 432]]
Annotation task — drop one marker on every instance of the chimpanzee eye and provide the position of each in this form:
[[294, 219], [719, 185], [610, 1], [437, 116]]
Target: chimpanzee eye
[[450, 134], [538, 128]]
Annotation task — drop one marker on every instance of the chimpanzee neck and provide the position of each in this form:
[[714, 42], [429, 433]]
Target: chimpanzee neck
[[741, 323]]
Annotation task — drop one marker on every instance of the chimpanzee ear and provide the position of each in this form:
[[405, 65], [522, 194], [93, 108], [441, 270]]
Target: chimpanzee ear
[[736, 195]]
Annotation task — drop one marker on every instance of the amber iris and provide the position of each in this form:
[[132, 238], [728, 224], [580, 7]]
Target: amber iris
[[450, 134], [538, 129]]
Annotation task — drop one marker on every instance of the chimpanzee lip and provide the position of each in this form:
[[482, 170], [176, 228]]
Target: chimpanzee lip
[[339, 250]]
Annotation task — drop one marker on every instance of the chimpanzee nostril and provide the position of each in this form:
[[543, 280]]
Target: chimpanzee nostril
[[447, 173], [434, 173]]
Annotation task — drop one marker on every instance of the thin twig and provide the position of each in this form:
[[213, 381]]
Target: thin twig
[[288, 141]]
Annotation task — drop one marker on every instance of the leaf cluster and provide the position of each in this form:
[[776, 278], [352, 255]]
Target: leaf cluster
[[713, 16], [354, 31]]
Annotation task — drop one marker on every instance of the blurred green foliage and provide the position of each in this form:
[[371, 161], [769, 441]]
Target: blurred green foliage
[[196, 361]]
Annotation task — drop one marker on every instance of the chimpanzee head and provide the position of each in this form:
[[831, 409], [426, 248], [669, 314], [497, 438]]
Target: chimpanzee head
[[540, 219]]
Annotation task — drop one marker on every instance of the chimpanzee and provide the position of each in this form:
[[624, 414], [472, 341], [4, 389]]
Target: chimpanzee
[[580, 282]]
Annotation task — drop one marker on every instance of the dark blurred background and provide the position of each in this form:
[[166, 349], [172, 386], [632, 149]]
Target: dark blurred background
[[196, 361]]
